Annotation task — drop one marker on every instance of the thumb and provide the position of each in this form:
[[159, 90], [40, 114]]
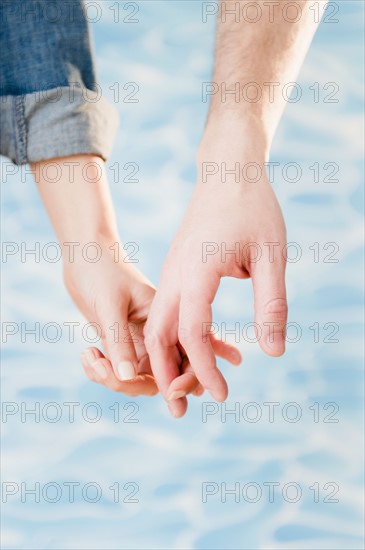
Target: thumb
[[119, 342], [271, 308]]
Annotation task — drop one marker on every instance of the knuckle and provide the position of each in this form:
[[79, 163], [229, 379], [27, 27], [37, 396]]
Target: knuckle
[[152, 338], [187, 335], [276, 309]]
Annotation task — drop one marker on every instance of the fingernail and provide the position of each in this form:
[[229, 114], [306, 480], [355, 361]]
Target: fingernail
[[99, 369], [176, 395], [235, 356], [126, 370], [173, 411], [90, 356]]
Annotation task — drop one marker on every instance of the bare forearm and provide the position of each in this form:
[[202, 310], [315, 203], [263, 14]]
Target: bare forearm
[[256, 60], [76, 195]]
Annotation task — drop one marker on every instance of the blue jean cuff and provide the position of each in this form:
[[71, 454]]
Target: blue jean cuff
[[59, 122]]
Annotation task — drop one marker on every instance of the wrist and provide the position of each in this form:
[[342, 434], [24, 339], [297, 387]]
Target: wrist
[[232, 153], [231, 135], [86, 230], [77, 198], [87, 247]]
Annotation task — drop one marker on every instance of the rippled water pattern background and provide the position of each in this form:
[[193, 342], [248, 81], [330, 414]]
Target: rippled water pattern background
[[168, 54]]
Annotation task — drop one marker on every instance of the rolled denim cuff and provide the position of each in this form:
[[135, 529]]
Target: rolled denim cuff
[[54, 123]]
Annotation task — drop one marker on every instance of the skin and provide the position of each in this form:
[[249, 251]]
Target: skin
[[231, 212], [174, 352], [110, 290]]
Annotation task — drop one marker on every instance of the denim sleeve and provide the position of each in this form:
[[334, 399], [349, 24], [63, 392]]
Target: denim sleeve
[[50, 103]]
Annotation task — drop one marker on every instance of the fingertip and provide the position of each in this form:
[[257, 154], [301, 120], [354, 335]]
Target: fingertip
[[235, 358], [227, 351], [274, 345], [274, 352], [178, 407], [90, 355], [83, 359], [219, 395], [177, 394], [182, 385]]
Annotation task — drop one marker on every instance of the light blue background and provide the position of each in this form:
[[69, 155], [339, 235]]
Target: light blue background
[[169, 53]]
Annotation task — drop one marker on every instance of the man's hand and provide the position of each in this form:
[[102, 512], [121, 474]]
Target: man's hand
[[254, 63], [230, 229]]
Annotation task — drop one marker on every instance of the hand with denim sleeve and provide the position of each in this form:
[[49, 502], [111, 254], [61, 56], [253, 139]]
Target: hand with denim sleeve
[[109, 291], [230, 213]]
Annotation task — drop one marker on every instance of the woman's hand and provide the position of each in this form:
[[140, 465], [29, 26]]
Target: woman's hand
[[116, 297]]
